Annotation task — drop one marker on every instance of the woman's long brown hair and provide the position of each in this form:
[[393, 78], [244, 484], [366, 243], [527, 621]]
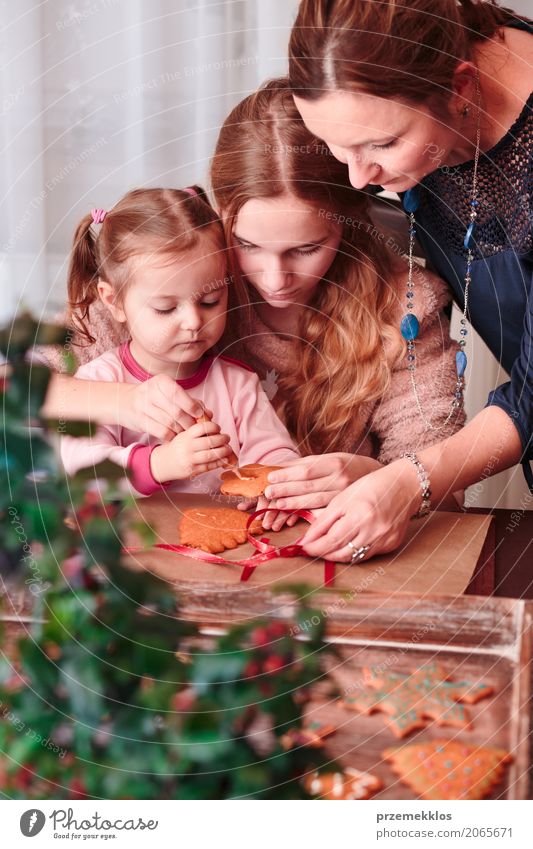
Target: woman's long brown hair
[[348, 337], [404, 49]]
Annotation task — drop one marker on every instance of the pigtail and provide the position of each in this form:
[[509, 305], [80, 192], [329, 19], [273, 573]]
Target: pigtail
[[83, 276], [199, 207], [199, 193]]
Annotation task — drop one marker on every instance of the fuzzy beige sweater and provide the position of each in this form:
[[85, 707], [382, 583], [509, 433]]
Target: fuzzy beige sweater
[[387, 428], [383, 430]]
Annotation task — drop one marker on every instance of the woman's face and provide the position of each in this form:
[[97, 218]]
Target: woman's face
[[284, 247], [384, 142]]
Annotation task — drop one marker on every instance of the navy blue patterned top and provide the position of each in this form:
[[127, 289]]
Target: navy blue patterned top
[[501, 291]]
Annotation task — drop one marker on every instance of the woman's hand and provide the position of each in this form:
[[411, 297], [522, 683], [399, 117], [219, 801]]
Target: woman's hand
[[373, 511], [198, 449], [314, 481], [158, 406]]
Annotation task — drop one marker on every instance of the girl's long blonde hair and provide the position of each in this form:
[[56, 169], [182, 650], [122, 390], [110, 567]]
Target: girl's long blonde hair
[[349, 337]]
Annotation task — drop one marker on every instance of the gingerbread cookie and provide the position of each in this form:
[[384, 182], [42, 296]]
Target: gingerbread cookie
[[349, 784], [446, 769], [412, 700], [215, 529], [249, 481], [312, 735]]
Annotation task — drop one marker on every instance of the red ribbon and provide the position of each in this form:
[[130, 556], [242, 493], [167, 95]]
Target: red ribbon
[[265, 550]]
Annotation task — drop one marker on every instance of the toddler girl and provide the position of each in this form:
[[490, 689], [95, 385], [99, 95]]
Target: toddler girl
[[157, 263]]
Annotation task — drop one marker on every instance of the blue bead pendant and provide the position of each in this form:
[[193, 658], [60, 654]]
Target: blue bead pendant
[[409, 327], [460, 363], [469, 234], [411, 201]]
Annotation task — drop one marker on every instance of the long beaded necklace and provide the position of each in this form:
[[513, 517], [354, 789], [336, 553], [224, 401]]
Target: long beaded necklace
[[409, 325]]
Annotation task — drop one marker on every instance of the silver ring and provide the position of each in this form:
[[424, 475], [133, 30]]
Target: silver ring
[[358, 554]]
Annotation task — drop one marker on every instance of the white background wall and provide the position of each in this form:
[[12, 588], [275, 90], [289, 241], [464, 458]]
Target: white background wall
[[99, 96]]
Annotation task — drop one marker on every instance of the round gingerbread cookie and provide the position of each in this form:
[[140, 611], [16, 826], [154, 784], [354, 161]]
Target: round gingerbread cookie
[[215, 529]]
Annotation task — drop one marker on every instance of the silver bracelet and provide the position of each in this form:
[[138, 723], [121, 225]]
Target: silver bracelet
[[423, 478]]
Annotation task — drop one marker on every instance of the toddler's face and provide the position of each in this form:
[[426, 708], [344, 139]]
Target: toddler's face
[[175, 309]]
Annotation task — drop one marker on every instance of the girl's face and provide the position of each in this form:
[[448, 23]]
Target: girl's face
[[384, 142], [175, 309], [284, 247]]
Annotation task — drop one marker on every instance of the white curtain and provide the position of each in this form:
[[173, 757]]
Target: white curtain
[[100, 96]]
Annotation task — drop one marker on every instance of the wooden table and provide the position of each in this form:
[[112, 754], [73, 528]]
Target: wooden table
[[504, 566], [438, 556], [488, 638]]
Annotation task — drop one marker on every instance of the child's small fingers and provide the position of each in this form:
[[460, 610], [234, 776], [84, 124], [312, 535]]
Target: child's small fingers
[[279, 522], [269, 518], [212, 455], [206, 466], [215, 440], [202, 430], [291, 521], [247, 504]]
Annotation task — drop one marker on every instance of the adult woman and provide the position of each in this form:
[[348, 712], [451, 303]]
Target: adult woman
[[417, 88], [326, 300]]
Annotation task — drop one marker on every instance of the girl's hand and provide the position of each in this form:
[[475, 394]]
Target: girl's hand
[[274, 519], [198, 449], [314, 481], [158, 406], [374, 511]]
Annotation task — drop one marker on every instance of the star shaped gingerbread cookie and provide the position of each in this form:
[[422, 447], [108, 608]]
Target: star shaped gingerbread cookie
[[412, 700]]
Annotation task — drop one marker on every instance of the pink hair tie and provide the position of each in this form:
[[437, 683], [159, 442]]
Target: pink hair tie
[[98, 215], [190, 191]]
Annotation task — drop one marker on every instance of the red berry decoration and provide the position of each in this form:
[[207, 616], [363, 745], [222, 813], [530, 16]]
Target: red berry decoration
[[273, 663], [259, 637]]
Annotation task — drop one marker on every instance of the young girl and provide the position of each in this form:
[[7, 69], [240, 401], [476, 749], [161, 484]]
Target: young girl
[[157, 263]]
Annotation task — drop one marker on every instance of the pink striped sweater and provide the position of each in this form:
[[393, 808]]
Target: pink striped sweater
[[229, 388]]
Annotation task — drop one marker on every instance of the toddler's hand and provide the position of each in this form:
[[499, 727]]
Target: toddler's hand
[[274, 520], [198, 449]]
